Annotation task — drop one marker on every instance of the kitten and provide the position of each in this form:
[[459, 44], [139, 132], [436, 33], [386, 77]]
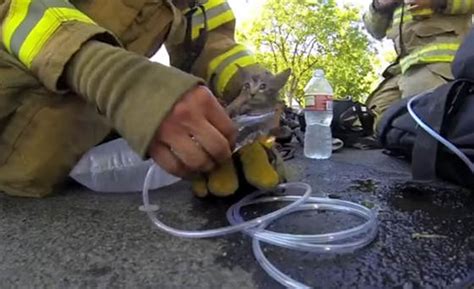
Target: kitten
[[259, 93]]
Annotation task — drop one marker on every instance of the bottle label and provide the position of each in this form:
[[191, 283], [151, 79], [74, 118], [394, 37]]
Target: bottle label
[[318, 102]]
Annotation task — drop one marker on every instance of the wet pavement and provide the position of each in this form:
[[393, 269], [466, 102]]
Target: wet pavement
[[80, 239]]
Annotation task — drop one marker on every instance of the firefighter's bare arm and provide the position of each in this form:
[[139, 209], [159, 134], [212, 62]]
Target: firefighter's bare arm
[[378, 18]]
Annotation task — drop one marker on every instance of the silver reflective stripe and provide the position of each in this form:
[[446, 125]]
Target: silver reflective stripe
[[223, 65], [36, 11], [198, 20]]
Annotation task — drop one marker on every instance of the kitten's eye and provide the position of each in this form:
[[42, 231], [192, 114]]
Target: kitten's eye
[[263, 86], [247, 86]]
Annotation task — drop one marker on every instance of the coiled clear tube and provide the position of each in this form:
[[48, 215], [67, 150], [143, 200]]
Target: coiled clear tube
[[347, 240], [356, 238], [150, 210]]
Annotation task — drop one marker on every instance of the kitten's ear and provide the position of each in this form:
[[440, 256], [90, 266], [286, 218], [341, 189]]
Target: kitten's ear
[[281, 78], [242, 72]]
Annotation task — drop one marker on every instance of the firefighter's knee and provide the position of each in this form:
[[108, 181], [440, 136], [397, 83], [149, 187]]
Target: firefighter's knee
[[42, 141]]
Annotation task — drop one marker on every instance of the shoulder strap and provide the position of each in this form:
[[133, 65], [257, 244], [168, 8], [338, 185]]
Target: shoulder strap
[[194, 48]]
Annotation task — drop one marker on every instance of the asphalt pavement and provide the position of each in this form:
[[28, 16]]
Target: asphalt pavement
[[81, 239]]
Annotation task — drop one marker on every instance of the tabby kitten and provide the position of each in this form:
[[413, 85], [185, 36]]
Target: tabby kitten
[[259, 92]]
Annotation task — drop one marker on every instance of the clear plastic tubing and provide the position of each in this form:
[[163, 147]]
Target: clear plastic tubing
[[436, 135], [344, 241]]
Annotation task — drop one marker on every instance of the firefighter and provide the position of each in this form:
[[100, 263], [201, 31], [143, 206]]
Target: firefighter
[[74, 72], [426, 35]]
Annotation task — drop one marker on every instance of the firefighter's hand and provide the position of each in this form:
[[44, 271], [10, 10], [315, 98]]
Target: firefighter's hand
[[196, 136], [261, 167], [414, 5]]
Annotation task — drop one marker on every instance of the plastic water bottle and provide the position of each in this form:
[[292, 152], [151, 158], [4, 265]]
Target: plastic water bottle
[[318, 117]]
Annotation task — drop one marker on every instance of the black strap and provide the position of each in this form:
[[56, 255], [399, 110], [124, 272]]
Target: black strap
[[287, 151], [366, 118], [425, 151], [194, 48], [356, 112], [400, 31]]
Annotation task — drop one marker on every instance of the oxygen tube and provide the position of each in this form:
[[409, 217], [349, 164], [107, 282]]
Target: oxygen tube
[[436, 135], [299, 198]]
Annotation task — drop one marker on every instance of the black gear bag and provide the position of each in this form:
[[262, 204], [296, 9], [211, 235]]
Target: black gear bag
[[449, 110]]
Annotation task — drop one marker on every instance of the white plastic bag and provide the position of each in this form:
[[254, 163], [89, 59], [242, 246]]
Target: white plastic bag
[[114, 167]]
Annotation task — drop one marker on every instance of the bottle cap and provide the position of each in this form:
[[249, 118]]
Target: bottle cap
[[319, 72]]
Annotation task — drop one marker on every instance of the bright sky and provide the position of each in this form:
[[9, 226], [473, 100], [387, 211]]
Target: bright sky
[[248, 9]]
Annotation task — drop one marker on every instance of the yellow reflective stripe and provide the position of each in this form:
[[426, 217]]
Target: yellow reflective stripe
[[208, 4], [469, 4], [406, 19], [457, 6], [409, 16], [438, 58], [460, 6], [230, 71], [436, 47], [16, 15], [443, 52], [36, 11], [224, 66], [46, 27], [215, 22], [214, 64], [211, 4], [422, 12], [418, 55]]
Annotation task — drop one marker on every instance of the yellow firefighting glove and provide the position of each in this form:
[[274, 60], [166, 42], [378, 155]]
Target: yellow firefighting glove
[[261, 165]]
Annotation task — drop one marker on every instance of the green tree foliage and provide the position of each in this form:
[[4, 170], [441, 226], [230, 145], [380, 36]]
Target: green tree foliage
[[304, 35]]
